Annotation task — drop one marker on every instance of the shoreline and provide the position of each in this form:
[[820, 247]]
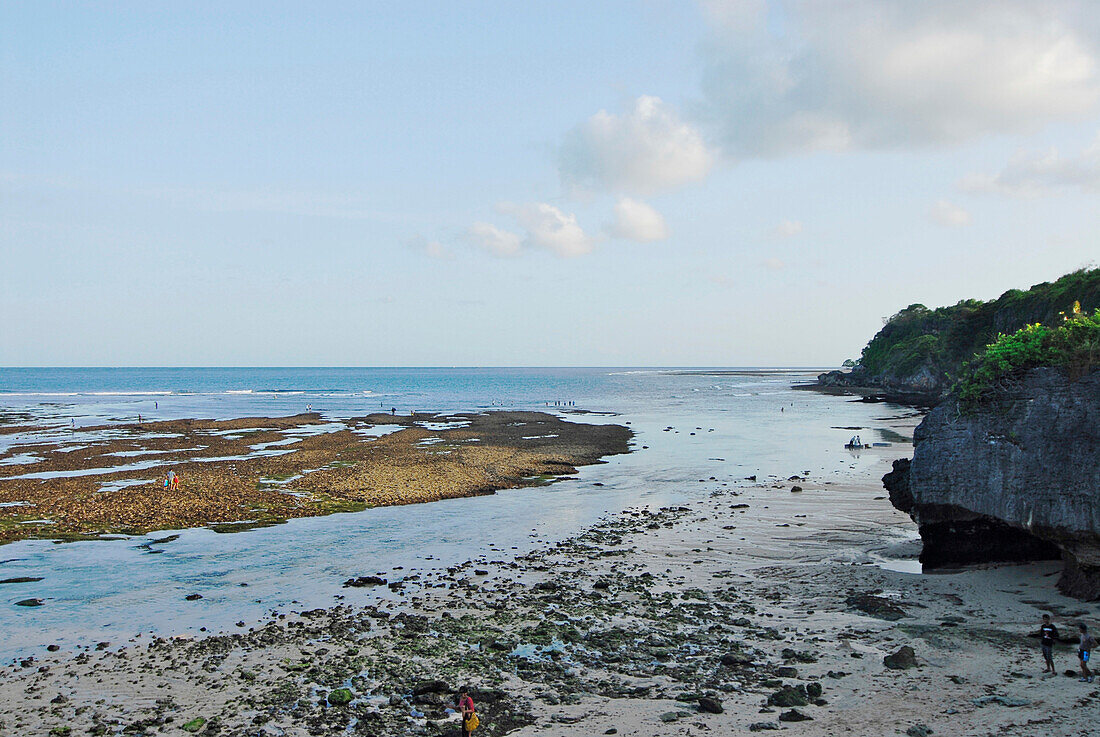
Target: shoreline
[[646, 623]]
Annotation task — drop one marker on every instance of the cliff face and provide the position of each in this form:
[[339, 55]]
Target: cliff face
[[1017, 478]]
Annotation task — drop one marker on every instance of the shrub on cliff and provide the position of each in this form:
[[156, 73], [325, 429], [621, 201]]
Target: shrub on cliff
[[937, 342], [1074, 346]]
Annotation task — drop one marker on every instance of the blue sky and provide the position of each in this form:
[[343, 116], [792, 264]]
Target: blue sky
[[643, 183]]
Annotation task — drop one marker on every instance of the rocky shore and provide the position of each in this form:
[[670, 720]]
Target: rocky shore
[[91, 481], [755, 608]]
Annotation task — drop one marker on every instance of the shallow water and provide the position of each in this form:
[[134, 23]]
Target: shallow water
[[689, 427]]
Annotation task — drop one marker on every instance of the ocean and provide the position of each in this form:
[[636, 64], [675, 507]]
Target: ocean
[[696, 430]]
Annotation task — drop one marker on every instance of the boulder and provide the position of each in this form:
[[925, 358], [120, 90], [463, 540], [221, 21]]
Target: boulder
[[903, 659]]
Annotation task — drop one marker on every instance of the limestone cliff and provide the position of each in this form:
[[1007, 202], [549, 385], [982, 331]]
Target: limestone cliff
[[1016, 478]]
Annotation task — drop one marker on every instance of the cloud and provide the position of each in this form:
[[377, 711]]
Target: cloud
[[806, 75], [949, 214], [774, 264], [1035, 174], [643, 150], [544, 226], [787, 229], [432, 249], [637, 221], [494, 240], [549, 228]]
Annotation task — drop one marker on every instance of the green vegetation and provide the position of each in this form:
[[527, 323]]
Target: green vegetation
[[937, 342], [194, 725], [1074, 345]]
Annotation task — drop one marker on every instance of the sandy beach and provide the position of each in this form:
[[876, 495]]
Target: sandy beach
[[743, 611]]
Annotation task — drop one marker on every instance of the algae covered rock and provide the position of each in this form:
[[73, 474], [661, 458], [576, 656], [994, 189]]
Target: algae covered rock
[[194, 725], [340, 697]]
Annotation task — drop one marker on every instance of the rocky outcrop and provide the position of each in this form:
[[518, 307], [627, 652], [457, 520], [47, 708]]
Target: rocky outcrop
[[916, 392], [1017, 478]]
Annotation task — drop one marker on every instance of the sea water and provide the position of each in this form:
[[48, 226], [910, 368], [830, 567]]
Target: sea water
[[690, 425]]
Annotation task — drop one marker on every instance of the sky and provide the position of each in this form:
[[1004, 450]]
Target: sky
[[646, 183]]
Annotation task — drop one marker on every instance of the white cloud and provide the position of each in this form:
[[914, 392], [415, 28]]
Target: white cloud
[[787, 229], [949, 214], [494, 240], [432, 249], [637, 221], [550, 228], [1034, 174], [774, 264], [643, 150], [883, 73]]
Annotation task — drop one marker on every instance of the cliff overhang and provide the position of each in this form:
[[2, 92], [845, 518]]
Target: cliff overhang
[[1016, 478]]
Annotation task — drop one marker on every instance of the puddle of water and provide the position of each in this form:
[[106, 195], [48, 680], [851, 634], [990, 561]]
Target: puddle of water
[[108, 486]]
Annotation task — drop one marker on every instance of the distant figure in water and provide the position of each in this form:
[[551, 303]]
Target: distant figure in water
[[1084, 650], [1048, 633], [139, 419], [156, 405], [393, 410]]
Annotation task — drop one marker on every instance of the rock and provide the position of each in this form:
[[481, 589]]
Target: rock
[[611, 731], [876, 606], [29, 602], [732, 659], [21, 579], [601, 585], [53, 648], [762, 726], [340, 697], [670, 716], [814, 690], [903, 659], [787, 671], [794, 715], [192, 597], [709, 705], [480, 572], [998, 699], [789, 696], [918, 730], [796, 489], [194, 725], [800, 656], [1014, 478], [363, 581], [435, 686]]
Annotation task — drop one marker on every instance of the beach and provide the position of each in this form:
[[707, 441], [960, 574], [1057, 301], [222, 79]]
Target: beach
[[736, 571], [771, 600]]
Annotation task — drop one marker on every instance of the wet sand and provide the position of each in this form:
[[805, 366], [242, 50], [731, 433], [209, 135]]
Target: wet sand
[[263, 470], [765, 603]]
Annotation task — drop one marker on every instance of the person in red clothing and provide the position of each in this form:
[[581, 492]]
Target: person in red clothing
[[466, 706]]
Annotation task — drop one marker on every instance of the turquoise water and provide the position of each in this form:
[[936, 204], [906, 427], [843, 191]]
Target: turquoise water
[[690, 427]]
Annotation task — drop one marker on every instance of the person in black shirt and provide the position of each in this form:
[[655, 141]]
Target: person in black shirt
[[1048, 633]]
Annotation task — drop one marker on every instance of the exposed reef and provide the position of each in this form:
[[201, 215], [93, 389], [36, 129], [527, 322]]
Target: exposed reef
[[63, 484]]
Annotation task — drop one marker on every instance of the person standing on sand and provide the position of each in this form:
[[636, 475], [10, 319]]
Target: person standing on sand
[[170, 482], [1084, 650], [1048, 633], [466, 707]]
